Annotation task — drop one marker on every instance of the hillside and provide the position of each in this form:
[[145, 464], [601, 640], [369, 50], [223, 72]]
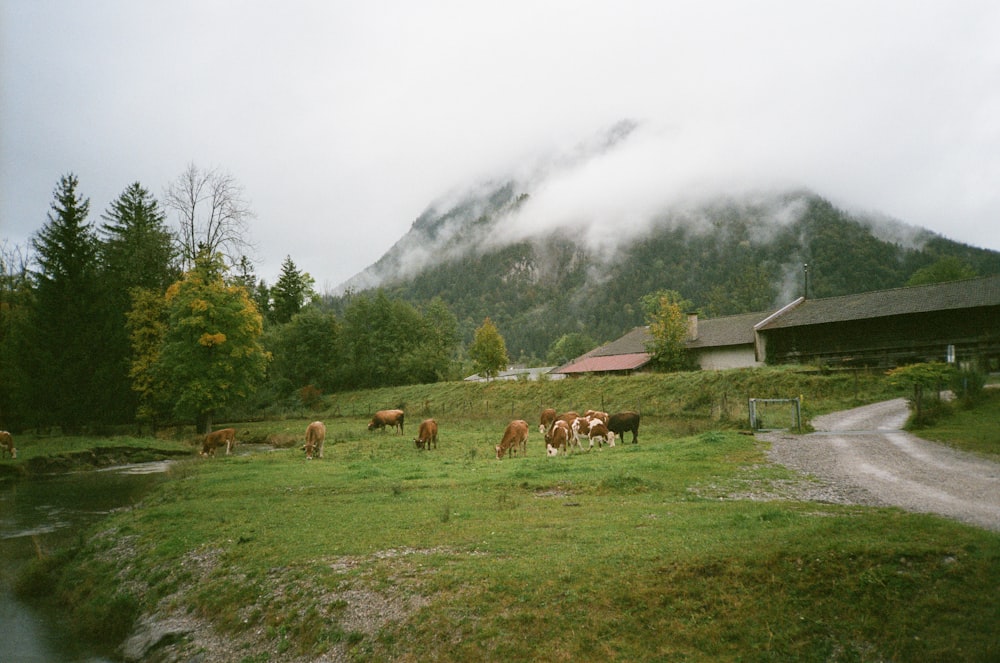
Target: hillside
[[539, 274]]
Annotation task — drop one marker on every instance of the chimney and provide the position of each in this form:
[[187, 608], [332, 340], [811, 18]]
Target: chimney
[[692, 327]]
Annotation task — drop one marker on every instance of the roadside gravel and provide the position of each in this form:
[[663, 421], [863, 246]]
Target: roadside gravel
[[862, 456]]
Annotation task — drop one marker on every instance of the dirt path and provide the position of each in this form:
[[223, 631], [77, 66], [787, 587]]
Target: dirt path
[[862, 456]]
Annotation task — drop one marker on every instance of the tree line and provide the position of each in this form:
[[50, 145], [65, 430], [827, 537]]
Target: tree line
[[126, 321]]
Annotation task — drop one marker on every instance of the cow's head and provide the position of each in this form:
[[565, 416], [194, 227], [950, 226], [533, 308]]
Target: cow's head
[[419, 443]]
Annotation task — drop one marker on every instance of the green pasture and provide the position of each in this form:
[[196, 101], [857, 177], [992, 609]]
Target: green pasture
[[642, 552]]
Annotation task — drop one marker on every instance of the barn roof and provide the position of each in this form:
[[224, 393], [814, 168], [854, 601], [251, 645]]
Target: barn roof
[[953, 295], [726, 331]]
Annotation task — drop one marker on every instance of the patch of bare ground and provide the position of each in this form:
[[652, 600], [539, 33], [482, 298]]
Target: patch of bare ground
[[375, 592]]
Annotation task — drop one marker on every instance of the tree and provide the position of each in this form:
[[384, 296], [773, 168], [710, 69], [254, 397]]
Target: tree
[[137, 252], [212, 212], [931, 375], [291, 292], [488, 350], [569, 346], [665, 314], [947, 268], [211, 351], [15, 304], [308, 350], [66, 343], [146, 322]]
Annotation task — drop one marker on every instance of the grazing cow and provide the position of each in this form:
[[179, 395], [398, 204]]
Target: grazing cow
[[226, 436], [620, 422], [547, 419], [599, 432], [7, 444], [558, 437], [515, 437], [427, 435], [315, 436], [597, 414], [385, 418]]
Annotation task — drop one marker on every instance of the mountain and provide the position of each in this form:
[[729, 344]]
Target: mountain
[[541, 269]]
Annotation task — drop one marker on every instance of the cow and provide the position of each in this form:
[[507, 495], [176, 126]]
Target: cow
[[7, 444], [215, 440], [385, 418], [558, 437], [599, 432], [620, 422], [547, 419], [597, 414], [515, 437], [427, 435], [315, 436]]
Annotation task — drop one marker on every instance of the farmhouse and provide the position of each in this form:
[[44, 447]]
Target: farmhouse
[[958, 321]]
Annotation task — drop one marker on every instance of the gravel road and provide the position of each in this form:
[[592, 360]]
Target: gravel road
[[862, 456]]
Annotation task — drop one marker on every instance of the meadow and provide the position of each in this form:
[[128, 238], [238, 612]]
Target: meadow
[[687, 546]]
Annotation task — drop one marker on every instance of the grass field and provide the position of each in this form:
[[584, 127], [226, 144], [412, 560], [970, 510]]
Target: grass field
[[685, 547]]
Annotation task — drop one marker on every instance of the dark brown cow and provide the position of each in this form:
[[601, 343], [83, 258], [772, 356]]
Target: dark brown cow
[[7, 444], [315, 436], [515, 437], [427, 435], [620, 422], [547, 419], [226, 436], [385, 418]]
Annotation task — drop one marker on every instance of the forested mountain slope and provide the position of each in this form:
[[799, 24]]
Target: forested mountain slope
[[488, 253]]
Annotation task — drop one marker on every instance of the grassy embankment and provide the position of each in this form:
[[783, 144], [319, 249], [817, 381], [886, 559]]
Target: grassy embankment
[[642, 552]]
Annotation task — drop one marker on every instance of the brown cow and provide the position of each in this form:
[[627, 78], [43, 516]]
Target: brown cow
[[624, 421], [7, 444], [597, 414], [427, 435], [315, 435], [547, 419], [385, 418], [214, 440], [515, 437]]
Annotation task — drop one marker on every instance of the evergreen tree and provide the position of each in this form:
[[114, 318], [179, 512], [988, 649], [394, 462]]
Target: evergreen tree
[[211, 352], [291, 292], [63, 353], [488, 350], [307, 351], [138, 251]]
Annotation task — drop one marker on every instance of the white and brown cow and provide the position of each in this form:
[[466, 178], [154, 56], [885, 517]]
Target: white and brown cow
[[385, 418], [427, 435], [7, 444], [515, 437], [558, 438], [226, 436], [315, 436]]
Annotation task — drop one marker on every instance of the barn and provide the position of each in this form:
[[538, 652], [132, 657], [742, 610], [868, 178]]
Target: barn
[[956, 321]]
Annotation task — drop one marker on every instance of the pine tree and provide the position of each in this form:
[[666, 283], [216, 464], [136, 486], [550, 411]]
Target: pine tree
[[64, 351], [138, 251], [291, 292]]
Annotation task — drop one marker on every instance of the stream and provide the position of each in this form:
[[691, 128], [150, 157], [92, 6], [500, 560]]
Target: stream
[[39, 515]]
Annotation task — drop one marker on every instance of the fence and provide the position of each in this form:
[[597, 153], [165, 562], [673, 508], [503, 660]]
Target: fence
[[766, 413]]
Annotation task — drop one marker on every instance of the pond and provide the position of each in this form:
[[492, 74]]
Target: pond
[[38, 516]]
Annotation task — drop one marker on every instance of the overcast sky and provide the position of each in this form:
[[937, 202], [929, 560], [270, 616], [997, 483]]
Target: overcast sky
[[345, 120]]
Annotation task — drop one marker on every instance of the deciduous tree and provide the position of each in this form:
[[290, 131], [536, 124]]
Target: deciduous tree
[[488, 350], [211, 352], [665, 314]]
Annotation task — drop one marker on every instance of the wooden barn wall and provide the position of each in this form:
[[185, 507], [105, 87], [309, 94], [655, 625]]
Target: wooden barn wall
[[891, 341]]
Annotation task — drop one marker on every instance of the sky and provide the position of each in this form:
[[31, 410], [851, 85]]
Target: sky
[[344, 121]]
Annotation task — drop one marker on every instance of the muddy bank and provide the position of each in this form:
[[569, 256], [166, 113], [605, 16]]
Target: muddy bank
[[90, 459]]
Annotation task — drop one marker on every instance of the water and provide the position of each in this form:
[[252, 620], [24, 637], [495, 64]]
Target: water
[[39, 516]]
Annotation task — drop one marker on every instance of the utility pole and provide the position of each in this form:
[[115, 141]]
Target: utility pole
[[805, 272]]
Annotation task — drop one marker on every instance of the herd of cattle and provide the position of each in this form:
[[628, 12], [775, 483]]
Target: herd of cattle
[[561, 432]]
